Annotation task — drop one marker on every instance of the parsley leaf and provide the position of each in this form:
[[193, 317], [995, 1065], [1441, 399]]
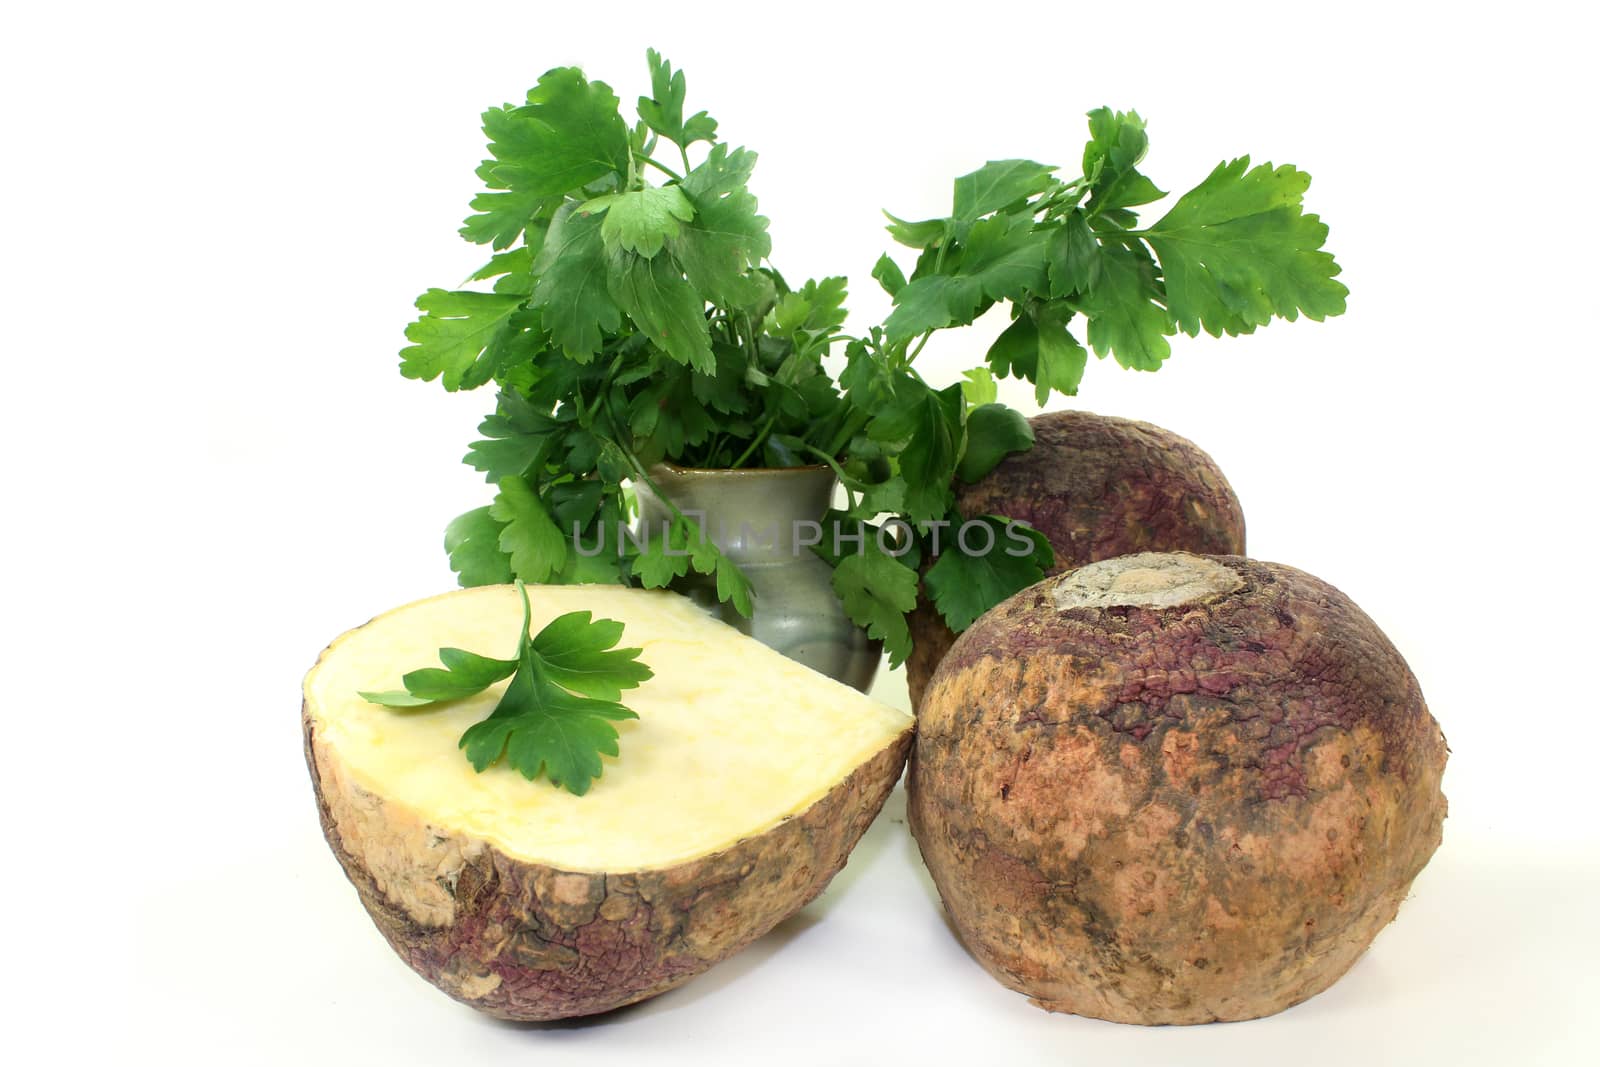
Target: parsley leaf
[[642, 220], [555, 717], [878, 590], [1037, 347], [472, 542], [726, 237], [1238, 249], [499, 217], [454, 333], [930, 303], [1124, 310], [570, 133], [516, 437], [571, 268], [965, 586], [1001, 259], [664, 306], [1117, 143], [994, 431], [928, 424], [889, 275], [979, 388], [530, 537], [663, 111], [578, 654], [464, 674], [1074, 256], [999, 184], [665, 559]]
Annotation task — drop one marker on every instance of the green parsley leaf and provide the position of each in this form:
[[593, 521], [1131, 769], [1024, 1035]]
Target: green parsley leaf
[[642, 220], [465, 674], [597, 555], [662, 560], [663, 110], [1117, 144], [531, 538], [472, 541], [500, 217], [1002, 259], [726, 237], [570, 133], [578, 655], [1037, 347], [578, 308], [998, 184], [994, 431], [663, 305], [889, 275], [964, 586], [925, 234], [733, 587], [455, 331], [932, 302], [518, 261], [1238, 249], [555, 717], [979, 388], [1005, 257], [540, 728], [1125, 315], [515, 437], [666, 559], [877, 591], [929, 425], [867, 381], [1074, 256], [815, 308]]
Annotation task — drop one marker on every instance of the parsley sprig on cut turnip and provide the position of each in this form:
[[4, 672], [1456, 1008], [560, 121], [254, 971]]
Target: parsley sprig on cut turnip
[[555, 716]]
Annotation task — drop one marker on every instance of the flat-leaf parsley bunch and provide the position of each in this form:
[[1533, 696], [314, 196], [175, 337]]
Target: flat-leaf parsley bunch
[[631, 316], [1228, 256]]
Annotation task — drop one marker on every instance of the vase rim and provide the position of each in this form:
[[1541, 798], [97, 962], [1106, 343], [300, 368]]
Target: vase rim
[[733, 472]]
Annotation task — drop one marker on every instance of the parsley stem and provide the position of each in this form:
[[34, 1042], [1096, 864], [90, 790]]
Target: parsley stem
[[855, 424], [838, 472], [668, 171], [761, 435], [921, 342]]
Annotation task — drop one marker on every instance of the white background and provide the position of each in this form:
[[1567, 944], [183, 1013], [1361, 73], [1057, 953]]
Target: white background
[[215, 219]]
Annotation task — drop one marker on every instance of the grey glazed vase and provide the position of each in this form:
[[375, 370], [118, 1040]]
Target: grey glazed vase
[[762, 519]]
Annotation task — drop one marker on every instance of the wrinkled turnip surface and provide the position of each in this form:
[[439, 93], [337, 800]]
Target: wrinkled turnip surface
[[1167, 788], [1096, 487], [739, 793]]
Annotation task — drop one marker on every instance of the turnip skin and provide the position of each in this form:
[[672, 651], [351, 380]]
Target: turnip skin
[[528, 942], [1175, 815], [1096, 486]]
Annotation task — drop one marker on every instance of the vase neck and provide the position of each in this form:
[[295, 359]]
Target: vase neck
[[748, 513]]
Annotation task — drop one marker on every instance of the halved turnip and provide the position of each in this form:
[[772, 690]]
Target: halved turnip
[[739, 793], [1167, 788], [1096, 487]]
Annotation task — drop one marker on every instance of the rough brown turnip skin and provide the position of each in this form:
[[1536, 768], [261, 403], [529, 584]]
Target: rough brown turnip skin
[[1175, 815], [1096, 487], [529, 942]]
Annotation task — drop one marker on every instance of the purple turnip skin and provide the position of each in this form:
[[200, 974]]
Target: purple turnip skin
[[1096, 487], [1167, 788]]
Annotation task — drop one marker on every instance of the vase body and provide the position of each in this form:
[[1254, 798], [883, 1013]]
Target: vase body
[[764, 520]]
